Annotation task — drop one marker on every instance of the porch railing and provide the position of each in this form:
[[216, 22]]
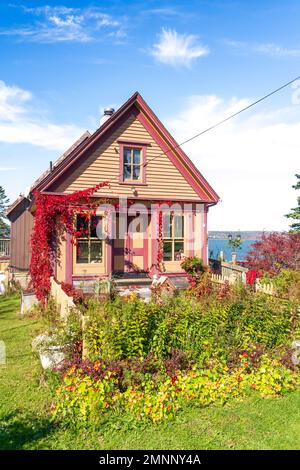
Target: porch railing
[[4, 247]]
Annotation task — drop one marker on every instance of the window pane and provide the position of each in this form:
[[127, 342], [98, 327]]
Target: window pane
[[96, 251], [178, 250], [167, 226], [167, 251], [96, 221], [136, 172], [82, 226], [127, 172], [127, 155], [82, 252], [178, 226], [136, 156]]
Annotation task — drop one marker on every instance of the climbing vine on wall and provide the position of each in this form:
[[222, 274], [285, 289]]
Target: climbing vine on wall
[[160, 250], [160, 234], [54, 217]]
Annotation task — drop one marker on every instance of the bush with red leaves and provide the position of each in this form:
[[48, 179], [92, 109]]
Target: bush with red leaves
[[251, 276], [273, 252], [77, 294]]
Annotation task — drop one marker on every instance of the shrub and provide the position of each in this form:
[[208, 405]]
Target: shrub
[[275, 251], [286, 283], [147, 361], [118, 330], [193, 266], [83, 401], [202, 328]]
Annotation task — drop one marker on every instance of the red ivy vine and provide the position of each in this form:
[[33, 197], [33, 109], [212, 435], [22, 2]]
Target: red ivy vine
[[160, 251], [54, 217], [160, 236]]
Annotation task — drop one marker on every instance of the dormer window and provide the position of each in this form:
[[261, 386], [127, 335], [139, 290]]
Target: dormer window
[[133, 156]]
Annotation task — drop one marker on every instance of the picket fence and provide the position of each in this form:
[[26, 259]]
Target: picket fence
[[232, 279], [265, 288]]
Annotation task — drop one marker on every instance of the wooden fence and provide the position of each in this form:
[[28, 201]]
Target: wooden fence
[[221, 279], [233, 278], [64, 302], [265, 288]]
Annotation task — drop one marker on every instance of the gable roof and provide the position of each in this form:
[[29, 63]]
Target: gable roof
[[156, 129]]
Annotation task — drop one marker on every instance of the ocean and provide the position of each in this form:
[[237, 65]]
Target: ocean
[[217, 245]]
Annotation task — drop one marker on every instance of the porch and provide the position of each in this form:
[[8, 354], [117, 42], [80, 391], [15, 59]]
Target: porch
[[131, 245]]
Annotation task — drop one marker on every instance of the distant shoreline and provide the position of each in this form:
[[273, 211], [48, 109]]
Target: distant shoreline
[[245, 235]]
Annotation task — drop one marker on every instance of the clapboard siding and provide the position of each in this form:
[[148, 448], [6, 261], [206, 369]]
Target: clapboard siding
[[163, 178], [21, 228]]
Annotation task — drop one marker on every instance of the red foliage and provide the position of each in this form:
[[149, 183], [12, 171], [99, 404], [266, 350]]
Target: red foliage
[[160, 251], [251, 276], [54, 216], [160, 236], [77, 294], [275, 251]]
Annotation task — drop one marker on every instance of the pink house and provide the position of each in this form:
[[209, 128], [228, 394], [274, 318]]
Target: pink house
[[148, 175]]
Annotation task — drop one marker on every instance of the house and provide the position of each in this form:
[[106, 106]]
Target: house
[[147, 173]]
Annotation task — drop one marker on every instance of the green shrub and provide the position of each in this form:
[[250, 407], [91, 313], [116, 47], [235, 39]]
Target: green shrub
[[193, 265], [287, 284], [81, 399], [147, 361], [201, 329]]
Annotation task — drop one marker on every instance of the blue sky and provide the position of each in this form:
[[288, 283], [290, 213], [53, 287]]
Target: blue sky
[[194, 62]]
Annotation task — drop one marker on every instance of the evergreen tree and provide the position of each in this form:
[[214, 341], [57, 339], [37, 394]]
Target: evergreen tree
[[295, 214], [4, 227]]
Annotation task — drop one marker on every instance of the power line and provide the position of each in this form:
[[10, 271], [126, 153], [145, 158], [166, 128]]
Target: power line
[[231, 116], [240, 111]]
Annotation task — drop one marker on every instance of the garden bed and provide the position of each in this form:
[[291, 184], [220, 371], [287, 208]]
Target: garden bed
[[27, 399]]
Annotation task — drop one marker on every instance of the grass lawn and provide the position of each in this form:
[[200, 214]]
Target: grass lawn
[[25, 400]]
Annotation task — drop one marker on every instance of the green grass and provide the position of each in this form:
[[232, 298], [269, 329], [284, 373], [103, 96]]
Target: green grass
[[25, 420]]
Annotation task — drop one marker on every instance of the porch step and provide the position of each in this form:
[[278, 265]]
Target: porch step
[[133, 282]]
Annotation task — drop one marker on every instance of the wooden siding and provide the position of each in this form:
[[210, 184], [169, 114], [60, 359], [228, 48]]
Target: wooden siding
[[21, 228], [163, 178]]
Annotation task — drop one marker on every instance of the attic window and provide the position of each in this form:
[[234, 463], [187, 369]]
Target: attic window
[[132, 162]]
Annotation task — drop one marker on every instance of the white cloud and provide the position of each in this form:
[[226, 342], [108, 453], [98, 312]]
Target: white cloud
[[269, 49], [175, 49], [62, 24], [21, 123], [250, 161], [8, 168], [165, 11]]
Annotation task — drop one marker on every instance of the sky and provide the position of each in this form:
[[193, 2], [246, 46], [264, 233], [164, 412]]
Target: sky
[[194, 63]]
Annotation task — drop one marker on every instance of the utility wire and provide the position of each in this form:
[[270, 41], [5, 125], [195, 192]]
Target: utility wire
[[235, 114], [220, 122]]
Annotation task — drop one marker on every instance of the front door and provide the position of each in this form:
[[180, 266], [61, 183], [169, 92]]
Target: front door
[[130, 253]]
